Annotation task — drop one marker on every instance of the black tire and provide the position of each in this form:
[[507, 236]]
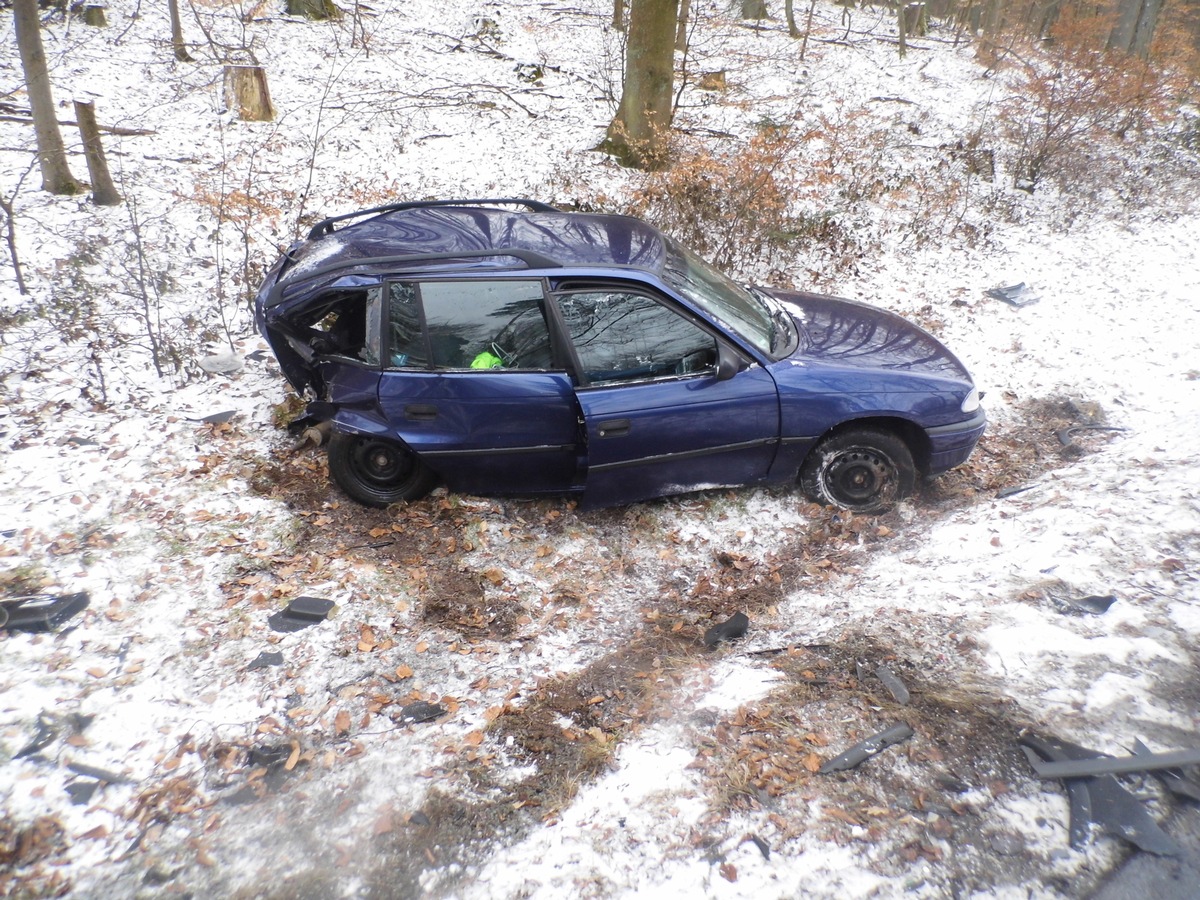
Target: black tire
[[377, 472], [863, 470]]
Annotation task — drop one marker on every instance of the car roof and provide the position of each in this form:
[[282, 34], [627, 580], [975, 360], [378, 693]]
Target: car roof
[[435, 234]]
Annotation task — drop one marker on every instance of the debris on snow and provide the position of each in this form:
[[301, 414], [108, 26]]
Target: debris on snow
[[731, 629], [301, 613], [865, 749]]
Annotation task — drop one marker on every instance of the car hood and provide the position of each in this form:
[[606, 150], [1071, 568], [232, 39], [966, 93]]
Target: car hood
[[843, 332]]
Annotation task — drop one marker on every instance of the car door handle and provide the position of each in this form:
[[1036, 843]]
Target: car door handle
[[613, 428], [421, 412]]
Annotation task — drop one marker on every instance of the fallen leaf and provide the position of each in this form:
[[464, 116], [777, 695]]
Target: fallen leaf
[[728, 872], [341, 722]]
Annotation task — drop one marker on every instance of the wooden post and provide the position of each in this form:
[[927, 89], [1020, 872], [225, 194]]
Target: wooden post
[[246, 91], [104, 192]]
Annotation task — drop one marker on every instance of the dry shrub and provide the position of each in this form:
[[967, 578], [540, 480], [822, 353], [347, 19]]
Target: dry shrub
[[1076, 109]]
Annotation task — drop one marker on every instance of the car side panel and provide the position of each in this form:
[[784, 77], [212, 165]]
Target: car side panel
[[664, 437], [491, 432]]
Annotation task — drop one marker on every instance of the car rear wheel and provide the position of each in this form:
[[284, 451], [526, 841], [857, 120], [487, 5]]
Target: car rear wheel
[[375, 471], [864, 470]]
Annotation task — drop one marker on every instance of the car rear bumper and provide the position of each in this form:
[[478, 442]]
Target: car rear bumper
[[950, 445]]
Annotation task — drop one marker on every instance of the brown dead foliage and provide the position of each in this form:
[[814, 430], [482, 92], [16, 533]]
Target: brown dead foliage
[[763, 759], [456, 600], [25, 851], [1022, 447]]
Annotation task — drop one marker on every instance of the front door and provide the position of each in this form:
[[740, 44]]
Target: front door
[[658, 418]]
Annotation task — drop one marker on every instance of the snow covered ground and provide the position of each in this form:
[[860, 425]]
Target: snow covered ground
[[590, 745]]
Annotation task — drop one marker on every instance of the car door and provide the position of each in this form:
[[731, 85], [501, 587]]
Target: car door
[[473, 383], [661, 415]]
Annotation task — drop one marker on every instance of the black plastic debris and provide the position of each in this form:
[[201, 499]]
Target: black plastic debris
[[217, 418], [42, 612], [301, 613], [81, 792], [265, 660], [417, 712], [1017, 295], [1092, 605], [864, 750], [1097, 764], [1066, 436], [731, 629], [47, 733], [894, 685], [88, 771], [1174, 780], [763, 847], [1012, 491], [1098, 799]]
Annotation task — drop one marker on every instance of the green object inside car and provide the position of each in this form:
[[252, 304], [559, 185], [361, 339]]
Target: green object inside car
[[487, 360]]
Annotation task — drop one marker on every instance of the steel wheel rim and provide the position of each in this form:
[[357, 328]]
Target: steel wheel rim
[[859, 477]]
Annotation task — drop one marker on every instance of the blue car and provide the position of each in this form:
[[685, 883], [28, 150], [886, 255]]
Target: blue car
[[505, 347]]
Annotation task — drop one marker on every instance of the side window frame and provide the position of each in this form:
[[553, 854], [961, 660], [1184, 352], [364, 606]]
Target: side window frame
[[558, 358], [566, 287]]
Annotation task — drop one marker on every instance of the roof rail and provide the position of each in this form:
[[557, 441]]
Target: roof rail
[[325, 226], [530, 258]]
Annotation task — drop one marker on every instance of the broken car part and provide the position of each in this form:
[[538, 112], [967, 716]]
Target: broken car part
[[43, 612], [1099, 800], [1174, 780], [732, 628], [894, 685], [1017, 295], [1066, 435], [301, 613], [864, 750], [266, 659], [1116, 765], [417, 712]]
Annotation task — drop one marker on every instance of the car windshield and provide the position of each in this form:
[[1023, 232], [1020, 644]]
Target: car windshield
[[732, 305]]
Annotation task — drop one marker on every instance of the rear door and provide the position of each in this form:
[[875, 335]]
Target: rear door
[[473, 383], [658, 418]]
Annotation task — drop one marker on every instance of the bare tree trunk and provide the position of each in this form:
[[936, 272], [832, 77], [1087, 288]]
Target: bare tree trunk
[[246, 91], [754, 9], [789, 15], [52, 155], [681, 30], [638, 133], [7, 204], [104, 192], [618, 18], [1135, 27], [177, 42], [807, 29]]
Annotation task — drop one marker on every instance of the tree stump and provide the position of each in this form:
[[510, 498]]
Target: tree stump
[[916, 20], [318, 10], [104, 192], [246, 91], [93, 15]]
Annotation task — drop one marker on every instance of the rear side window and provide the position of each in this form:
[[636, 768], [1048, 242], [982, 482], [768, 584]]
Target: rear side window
[[476, 325]]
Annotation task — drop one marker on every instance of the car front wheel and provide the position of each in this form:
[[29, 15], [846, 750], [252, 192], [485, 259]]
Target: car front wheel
[[864, 470], [375, 471]]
